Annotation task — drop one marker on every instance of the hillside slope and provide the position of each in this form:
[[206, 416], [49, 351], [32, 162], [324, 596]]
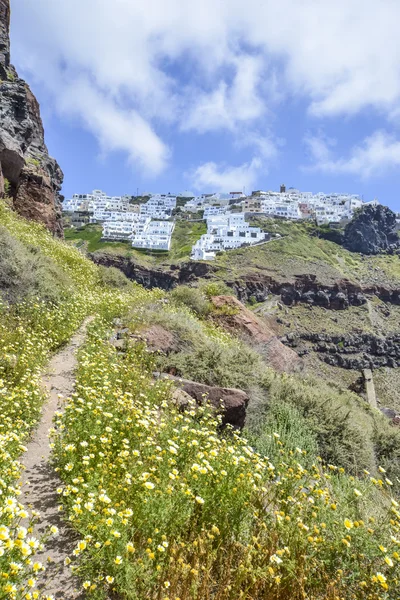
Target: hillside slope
[[164, 502], [308, 288]]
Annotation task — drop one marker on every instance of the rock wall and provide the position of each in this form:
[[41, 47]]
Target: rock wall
[[305, 289], [356, 351], [27, 173], [165, 279]]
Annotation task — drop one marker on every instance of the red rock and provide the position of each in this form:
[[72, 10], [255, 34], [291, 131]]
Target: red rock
[[159, 339], [236, 317]]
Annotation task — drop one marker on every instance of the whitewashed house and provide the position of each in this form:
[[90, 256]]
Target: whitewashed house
[[159, 206], [156, 235], [225, 232], [118, 230]]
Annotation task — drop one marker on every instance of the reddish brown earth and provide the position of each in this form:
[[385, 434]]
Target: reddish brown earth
[[234, 316]]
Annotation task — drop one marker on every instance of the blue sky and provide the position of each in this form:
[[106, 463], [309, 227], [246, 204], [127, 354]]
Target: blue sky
[[222, 95]]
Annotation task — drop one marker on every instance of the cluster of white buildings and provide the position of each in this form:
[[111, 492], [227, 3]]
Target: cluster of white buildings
[[98, 205], [150, 225], [143, 225], [293, 204], [195, 204], [226, 231], [159, 206], [287, 204]]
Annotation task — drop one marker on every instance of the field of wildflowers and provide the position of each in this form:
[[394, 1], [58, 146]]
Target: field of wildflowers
[[167, 506], [29, 332]]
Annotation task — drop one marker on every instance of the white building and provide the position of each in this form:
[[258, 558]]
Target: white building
[[226, 232], [210, 211], [294, 204], [124, 226], [159, 206], [156, 235], [98, 204]]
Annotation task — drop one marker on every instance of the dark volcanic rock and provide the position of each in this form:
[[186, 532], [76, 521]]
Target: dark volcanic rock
[[372, 230], [355, 351], [154, 277], [34, 177], [304, 289]]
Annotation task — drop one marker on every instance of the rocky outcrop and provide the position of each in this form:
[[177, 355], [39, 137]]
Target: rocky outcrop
[[232, 315], [27, 173], [372, 231], [304, 289], [356, 351], [160, 340], [392, 415], [165, 279], [231, 402]]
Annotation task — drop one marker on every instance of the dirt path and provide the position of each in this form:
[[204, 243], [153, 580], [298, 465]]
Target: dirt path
[[40, 482]]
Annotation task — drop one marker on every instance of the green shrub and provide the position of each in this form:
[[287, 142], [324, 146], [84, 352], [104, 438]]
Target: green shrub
[[113, 277], [33, 161], [338, 420], [287, 422], [7, 187], [213, 363], [25, 273], [215, 288], [387, 447], [193, 298]]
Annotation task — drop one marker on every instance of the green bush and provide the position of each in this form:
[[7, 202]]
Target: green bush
[[387, 447], [215, 288], [206, 353], [339, 422], [7, 187], [26, 273], [288, 423], [213, 363], [193, 298], [113, 277]]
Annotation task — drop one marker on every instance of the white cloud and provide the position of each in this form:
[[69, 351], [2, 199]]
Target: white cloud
[[207, 66], [227, 106], [116, 128], [219, 177], [224, 178], [377, 154]]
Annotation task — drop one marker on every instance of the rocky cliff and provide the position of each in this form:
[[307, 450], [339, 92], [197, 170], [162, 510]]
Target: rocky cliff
[[27, 173], [301, 289], [349, 351], [232, 315], [372, 231]]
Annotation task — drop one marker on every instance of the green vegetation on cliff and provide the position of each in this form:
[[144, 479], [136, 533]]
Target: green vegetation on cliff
[[300, 251]]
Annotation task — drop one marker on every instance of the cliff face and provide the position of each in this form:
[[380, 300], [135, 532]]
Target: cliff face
[[372, 231], [27, 173]]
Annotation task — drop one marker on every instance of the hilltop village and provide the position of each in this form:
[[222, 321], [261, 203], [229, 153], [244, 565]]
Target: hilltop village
[[147, 222]]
